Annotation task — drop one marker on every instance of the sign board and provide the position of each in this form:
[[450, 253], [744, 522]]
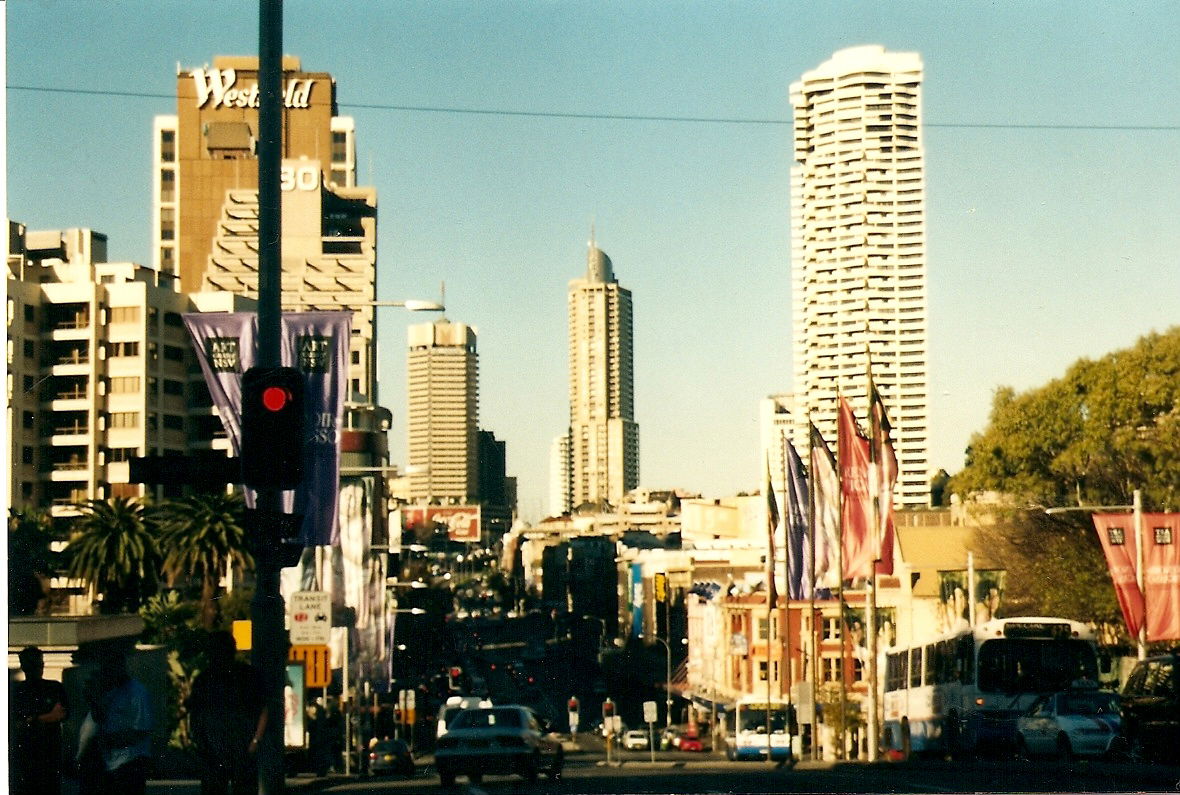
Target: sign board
[[243, 633], [616, 724], [310, 618], [462, 521], [573, 722], [317, 663], [660, 586], [649, 712]]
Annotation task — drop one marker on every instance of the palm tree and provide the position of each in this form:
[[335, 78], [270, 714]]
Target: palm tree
[[200, 536], [112, 547]]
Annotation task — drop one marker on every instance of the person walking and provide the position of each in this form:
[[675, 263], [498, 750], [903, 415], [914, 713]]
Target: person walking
[[115, 744], [227, 719], [37, 707]]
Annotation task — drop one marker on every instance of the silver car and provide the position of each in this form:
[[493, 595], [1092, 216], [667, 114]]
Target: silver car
[[497, 740], [1082, 723]]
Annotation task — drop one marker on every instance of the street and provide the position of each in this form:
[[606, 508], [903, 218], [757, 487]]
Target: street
[[674, 773]]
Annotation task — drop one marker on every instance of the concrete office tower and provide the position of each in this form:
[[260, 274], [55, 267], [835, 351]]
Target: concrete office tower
[[101, 369], [205, 198], [858, 235], [443, 418], [604, 439], [559, 475]]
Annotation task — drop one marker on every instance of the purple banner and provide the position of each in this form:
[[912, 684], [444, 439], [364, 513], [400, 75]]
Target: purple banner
[[316, 343]]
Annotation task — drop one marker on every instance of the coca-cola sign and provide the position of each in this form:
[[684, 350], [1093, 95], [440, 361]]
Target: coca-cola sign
[[217, 88]]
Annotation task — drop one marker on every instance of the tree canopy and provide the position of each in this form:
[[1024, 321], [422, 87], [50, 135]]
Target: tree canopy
[[1091, 437]]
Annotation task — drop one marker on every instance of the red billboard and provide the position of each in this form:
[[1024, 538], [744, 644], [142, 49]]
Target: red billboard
[[462, 521]]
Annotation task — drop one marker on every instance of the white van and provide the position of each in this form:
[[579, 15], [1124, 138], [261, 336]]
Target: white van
[[455, 705]]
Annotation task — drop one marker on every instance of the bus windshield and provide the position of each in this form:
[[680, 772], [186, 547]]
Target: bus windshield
[[753, 718], [1008, 665]]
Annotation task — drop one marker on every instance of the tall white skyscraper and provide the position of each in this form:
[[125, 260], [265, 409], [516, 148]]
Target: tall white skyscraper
[[858, 240], [443, 418], [604, 439]]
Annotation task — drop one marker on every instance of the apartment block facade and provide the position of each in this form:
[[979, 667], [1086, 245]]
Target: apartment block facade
[[858, 234]]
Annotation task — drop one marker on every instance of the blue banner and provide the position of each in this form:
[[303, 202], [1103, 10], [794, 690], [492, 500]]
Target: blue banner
[[316, 343], [636, 599]]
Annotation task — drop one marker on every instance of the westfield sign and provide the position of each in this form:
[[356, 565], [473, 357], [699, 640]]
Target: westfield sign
[[218, 89]]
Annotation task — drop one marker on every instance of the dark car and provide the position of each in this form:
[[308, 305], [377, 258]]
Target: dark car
[[391, 756], [1150, 705], [497, 740]]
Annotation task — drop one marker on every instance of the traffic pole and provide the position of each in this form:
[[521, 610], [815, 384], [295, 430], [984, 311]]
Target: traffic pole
[[267, 610]]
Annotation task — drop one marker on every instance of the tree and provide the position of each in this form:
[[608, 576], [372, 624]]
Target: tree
[[1093, 436], [113, 549], [201, 536], [30, 560]]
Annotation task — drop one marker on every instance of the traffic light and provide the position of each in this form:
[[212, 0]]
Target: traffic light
[[272, 428], [608, 709], [453, 677], [572, 704]]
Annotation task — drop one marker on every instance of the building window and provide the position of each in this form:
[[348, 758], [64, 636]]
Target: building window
[[30, 349], [26, 455], [29, 383], [127, 490], [30, 314], [28, 420], [168, 146], [831, 629], [125, 419], [173, 319], [173, 422], [167, 185], [118, 454], [356, 357], [124, 384], [167, 223], [172, 387], [762, 668], [119, 349], [831, 669], [167, 257], [339, 147], [173, 353], [124, 314]]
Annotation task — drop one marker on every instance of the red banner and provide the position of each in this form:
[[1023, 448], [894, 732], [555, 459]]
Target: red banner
[[462, 521], [860, 544], [1158, 604]]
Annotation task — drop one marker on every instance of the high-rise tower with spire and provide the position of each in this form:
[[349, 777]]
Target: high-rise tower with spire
[[603, 436]]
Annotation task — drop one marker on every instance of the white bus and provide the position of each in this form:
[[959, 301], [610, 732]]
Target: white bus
[[964, 690], [749, 738]]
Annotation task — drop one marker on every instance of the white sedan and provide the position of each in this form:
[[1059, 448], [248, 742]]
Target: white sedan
[[1083, 723], [635, 740], [497, 740]]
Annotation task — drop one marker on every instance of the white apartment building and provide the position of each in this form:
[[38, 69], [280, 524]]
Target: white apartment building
[[604, 438], [443, 416], [100, 369], [858, 235], [559, 475]]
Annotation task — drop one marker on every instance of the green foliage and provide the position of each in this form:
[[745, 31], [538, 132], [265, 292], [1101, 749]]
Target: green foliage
[[201, 535], [113, 548], [30, 560], [1104, 429], [172, 622]]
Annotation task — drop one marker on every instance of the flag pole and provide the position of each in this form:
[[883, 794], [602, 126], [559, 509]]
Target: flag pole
[[813, 582], [840, 573], [871, 610], [785, 668]]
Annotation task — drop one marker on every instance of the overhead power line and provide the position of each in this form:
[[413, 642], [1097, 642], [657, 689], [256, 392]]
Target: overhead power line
[[626, 117]]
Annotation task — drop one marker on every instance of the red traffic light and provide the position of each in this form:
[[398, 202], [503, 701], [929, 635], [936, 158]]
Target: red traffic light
[[456, 671], [275, 398]]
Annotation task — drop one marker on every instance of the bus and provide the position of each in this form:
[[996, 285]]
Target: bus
[[962, 691], [749, 738]]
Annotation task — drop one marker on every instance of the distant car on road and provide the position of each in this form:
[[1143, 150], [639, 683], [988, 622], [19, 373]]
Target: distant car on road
[[498, 740], [1081, 723], [635, 740], [691, 744], [391, 756]]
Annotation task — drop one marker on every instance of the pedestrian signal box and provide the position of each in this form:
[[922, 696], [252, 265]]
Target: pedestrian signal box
[[272, 428]]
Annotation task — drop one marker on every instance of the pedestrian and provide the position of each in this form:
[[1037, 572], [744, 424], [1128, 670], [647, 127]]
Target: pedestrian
[[37, 707], [115, 743], [227, 720]]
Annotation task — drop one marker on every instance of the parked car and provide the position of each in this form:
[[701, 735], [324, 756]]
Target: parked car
[[1151, 708], [497, 740], [1077, 722], [635, 740], [391, 756], [691, 744]]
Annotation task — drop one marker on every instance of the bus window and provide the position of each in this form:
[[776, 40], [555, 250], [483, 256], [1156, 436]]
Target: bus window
[[895, 673], [915, 667], [930, 658], [965, 658]]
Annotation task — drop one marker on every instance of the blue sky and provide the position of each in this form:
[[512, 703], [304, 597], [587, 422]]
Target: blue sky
[[1049, 239]]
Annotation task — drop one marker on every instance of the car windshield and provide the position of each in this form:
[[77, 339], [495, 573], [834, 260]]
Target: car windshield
[[1088, 704], [486, 718]]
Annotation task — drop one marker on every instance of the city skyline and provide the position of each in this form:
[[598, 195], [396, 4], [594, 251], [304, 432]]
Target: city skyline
[[1050, 152]]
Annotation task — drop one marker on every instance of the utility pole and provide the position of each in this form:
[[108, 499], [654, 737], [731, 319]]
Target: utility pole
[[269, 643]]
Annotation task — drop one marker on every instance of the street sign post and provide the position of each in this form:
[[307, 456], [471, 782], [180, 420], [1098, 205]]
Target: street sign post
[[310, 614], [649, 716]]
